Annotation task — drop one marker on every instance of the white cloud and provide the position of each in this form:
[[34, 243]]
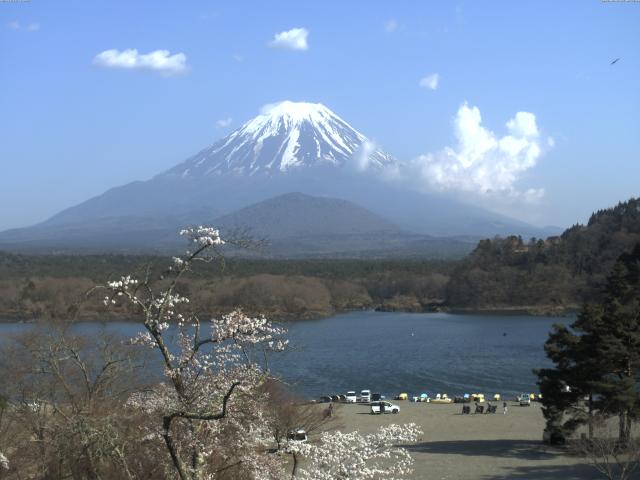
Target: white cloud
[[430, 81], [267, 108], [294, 39], [209, 16], [224, 122], [31, 27], [523, 125], [362, 157], [288, 105], [481, 162], [391, 26], [159, 61], [237, 57]]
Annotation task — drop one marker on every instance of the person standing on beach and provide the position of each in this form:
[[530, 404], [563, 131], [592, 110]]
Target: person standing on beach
[[504, 408]]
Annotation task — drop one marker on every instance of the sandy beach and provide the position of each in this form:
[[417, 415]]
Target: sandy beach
[[465, 447]]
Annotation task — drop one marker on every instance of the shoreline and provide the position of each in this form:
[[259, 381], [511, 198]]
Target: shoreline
[[531, 311], [518, 311]]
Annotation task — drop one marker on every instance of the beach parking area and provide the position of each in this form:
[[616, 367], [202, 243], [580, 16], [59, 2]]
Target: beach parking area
[[465, 447]]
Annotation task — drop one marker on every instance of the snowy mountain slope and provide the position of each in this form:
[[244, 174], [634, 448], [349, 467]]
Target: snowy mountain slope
[[284, 137], [289, 147]]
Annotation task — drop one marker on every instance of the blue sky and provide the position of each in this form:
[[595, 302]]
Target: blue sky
[[72, 126]]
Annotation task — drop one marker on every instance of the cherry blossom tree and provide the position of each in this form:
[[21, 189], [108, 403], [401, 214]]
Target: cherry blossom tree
[[356, 456], [210, 417], [74, 405]]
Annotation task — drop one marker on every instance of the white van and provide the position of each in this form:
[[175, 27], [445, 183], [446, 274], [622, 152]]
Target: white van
[[365, 396], [351, 397]]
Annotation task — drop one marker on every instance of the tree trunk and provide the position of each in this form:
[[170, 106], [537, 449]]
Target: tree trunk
[[195, 454], [295, 466], [624, 427], [628, 430], [590, 424], [173, 450]]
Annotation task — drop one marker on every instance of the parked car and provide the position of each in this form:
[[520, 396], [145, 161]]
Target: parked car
[[351, 397], [299, 435], [384, 407], [365, 396], [325, 399], [335, 398], [376, 397], [296, 436], [477, 397], [343, 398], [525, 400]]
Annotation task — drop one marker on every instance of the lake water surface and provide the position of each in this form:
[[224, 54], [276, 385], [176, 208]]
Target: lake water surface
[[401, 352]]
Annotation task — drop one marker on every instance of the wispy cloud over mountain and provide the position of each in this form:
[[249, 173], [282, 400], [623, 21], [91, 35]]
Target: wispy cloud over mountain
[[161, 61], [294, 39], [481, 166]]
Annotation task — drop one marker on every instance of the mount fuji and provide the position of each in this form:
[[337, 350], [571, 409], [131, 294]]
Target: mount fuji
[[287, 136], [289, 147]]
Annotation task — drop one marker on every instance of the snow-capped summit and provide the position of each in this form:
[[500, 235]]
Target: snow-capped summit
[[284, 137], [245, 182]]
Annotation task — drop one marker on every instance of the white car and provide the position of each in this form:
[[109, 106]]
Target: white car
[[351, 397], [298, 435], [295, 436], [525, 400], [384, 407], [365, 396]]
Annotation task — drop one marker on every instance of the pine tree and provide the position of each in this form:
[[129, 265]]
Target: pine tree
[[598, 358], [618, 346], [575, 377]]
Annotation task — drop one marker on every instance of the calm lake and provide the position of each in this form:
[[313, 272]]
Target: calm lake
[[391, 353]]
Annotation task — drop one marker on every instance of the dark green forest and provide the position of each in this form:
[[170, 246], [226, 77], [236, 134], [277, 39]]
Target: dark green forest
[[553, 274]]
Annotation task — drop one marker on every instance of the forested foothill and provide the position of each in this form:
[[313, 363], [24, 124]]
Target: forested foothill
[[553, 274], [543, 276]]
